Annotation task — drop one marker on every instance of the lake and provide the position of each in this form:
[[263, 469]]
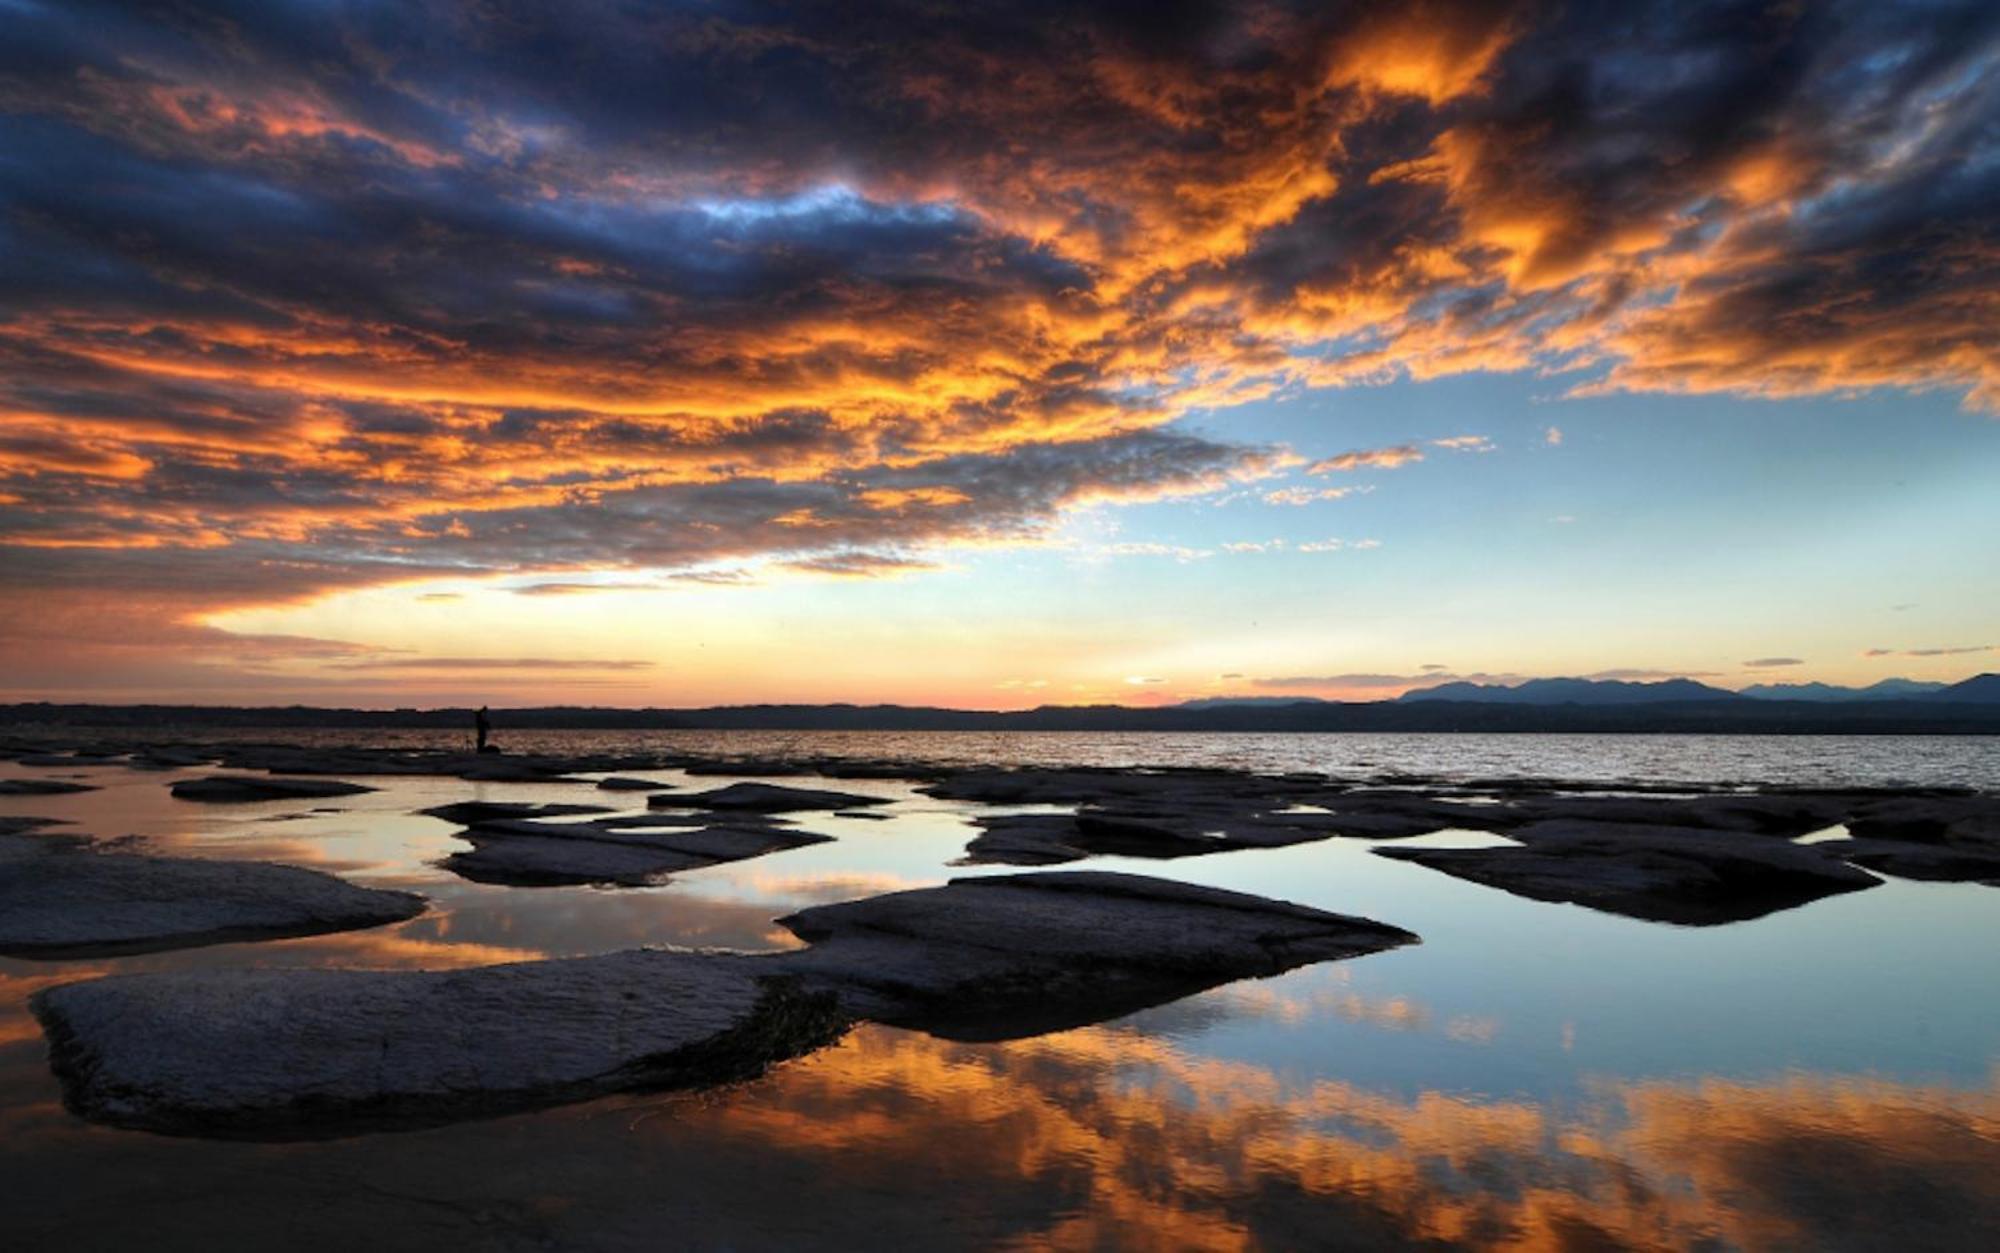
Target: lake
[[1530, 1076]]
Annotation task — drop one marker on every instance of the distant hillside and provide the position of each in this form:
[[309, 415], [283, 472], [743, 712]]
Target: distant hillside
[[1972, 714], [1572, 692], [1887, 689], [1249, 702], [1980, 689]]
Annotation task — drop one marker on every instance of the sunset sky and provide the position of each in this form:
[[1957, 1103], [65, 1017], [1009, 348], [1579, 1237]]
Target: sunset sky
[[617, 353]]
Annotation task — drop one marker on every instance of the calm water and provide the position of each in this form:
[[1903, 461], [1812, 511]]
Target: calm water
[[1704, 760], [1531, 1076]]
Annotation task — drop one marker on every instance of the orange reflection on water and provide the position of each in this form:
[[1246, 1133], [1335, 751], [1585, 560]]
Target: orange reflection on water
[[16, 1022], [1105, 1136]]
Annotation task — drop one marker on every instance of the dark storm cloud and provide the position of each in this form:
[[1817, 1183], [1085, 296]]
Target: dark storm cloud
[[299, 296]]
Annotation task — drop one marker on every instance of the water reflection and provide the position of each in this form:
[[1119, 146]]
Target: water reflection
[[1123, 1139]]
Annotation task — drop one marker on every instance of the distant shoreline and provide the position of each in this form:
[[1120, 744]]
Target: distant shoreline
[[1730, 717]]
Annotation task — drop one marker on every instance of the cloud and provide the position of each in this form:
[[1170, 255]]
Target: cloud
[[1310, 495], [1347, 680], [304, 298], [1772, 663], [492, 663], [1465, 443], [1368, 458], [1553, 436], [1932, 652], [860, 565], [1153, 548], [580, 589]]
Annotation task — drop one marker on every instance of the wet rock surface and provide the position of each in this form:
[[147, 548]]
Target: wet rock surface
[[292, 1054], [60, 898], [467, 813], [765, 798], [1936, 862], [235, 789], [633, 851], [620, 783], [43, 787], [1688, 875], [299, 1053], [1015, 955]]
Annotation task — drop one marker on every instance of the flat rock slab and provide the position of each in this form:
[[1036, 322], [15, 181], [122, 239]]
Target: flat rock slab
[[538, 861], [1938, 863], [42, 787], [1929, 820], [239, 788], [291, 1054], [554, 854], [286, 1054], [58, 901], [1692, 876], [621, 783], [765, 798], [1051, 839], [1777, 813], [469, 813], [1007, 956]]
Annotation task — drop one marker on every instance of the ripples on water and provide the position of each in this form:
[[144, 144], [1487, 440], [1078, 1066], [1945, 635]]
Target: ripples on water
[[1531, 1076]]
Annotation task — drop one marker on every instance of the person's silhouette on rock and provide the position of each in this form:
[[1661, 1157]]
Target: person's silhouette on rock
[[482, 726]]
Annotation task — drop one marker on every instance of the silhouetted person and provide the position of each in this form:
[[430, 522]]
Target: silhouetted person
[[482, 726]]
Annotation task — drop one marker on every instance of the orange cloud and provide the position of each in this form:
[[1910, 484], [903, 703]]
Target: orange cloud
[[1368, 458]]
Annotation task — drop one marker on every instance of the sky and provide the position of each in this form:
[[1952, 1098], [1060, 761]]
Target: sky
[[992, 356]]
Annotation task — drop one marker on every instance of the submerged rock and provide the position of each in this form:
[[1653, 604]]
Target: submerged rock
[[620, 783], [58, 900], [765, 798], [236, 788], [1685, 875], [287, 1054]]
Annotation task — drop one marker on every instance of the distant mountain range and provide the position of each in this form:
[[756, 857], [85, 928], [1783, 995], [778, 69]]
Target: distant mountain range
[[1980, 689], [1549, 705], [1618, 692], [1887, 689], [1572, 692]]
